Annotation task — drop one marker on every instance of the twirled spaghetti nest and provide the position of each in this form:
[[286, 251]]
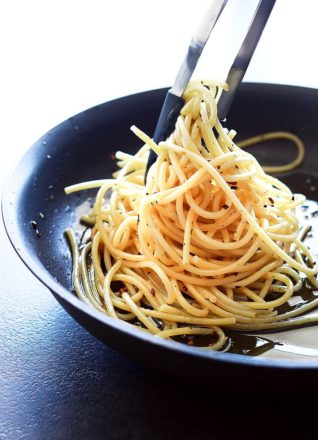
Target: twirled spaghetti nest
[[210, 241]]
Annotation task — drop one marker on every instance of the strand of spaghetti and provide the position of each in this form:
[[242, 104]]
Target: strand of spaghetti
[[96, 259], [138, 311], [92, 294], [236, 310], [231, 305], [189, 308], [76, 280], [289, 323], [187, 238], [189, 319], [221, 338], [185, 331], [107, 291], [275, 303], [278, 135]]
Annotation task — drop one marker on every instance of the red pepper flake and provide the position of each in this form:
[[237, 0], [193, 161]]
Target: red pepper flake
[[34, 224], [271, 200], [232, 183], [112, 156], [225, 206], [190, 342], [152, 291], [234, 187]]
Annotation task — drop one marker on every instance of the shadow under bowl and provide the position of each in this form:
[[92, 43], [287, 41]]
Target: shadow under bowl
[[82, 148]]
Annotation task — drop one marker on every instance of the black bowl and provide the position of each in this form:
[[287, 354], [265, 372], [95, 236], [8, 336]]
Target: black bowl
[[81, 148]]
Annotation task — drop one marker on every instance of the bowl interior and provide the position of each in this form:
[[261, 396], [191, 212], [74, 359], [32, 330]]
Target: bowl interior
[[37, 211], [81, 148]]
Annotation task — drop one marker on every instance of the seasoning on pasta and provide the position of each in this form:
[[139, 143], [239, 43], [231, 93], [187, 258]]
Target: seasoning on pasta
[[210, 242]]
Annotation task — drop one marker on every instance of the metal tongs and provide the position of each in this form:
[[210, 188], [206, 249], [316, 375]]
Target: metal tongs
[[173, 102]]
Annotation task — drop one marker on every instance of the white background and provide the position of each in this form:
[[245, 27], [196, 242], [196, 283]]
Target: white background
[[61, 57]]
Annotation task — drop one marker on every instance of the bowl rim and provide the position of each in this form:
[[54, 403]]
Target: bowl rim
[[8, 209]]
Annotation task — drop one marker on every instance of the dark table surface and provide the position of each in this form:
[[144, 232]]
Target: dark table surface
[[56, 380], [59, 382]]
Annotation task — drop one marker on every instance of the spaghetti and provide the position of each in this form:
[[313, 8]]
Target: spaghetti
[[211, 241]]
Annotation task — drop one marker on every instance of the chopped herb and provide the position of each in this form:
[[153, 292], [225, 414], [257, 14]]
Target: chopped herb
[[314, 214], [234, 187], [271, 200]]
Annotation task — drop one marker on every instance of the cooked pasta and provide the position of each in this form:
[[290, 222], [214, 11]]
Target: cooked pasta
[[209, 242]]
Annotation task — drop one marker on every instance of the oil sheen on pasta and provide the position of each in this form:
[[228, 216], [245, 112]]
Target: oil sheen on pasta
[[210, 245]]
